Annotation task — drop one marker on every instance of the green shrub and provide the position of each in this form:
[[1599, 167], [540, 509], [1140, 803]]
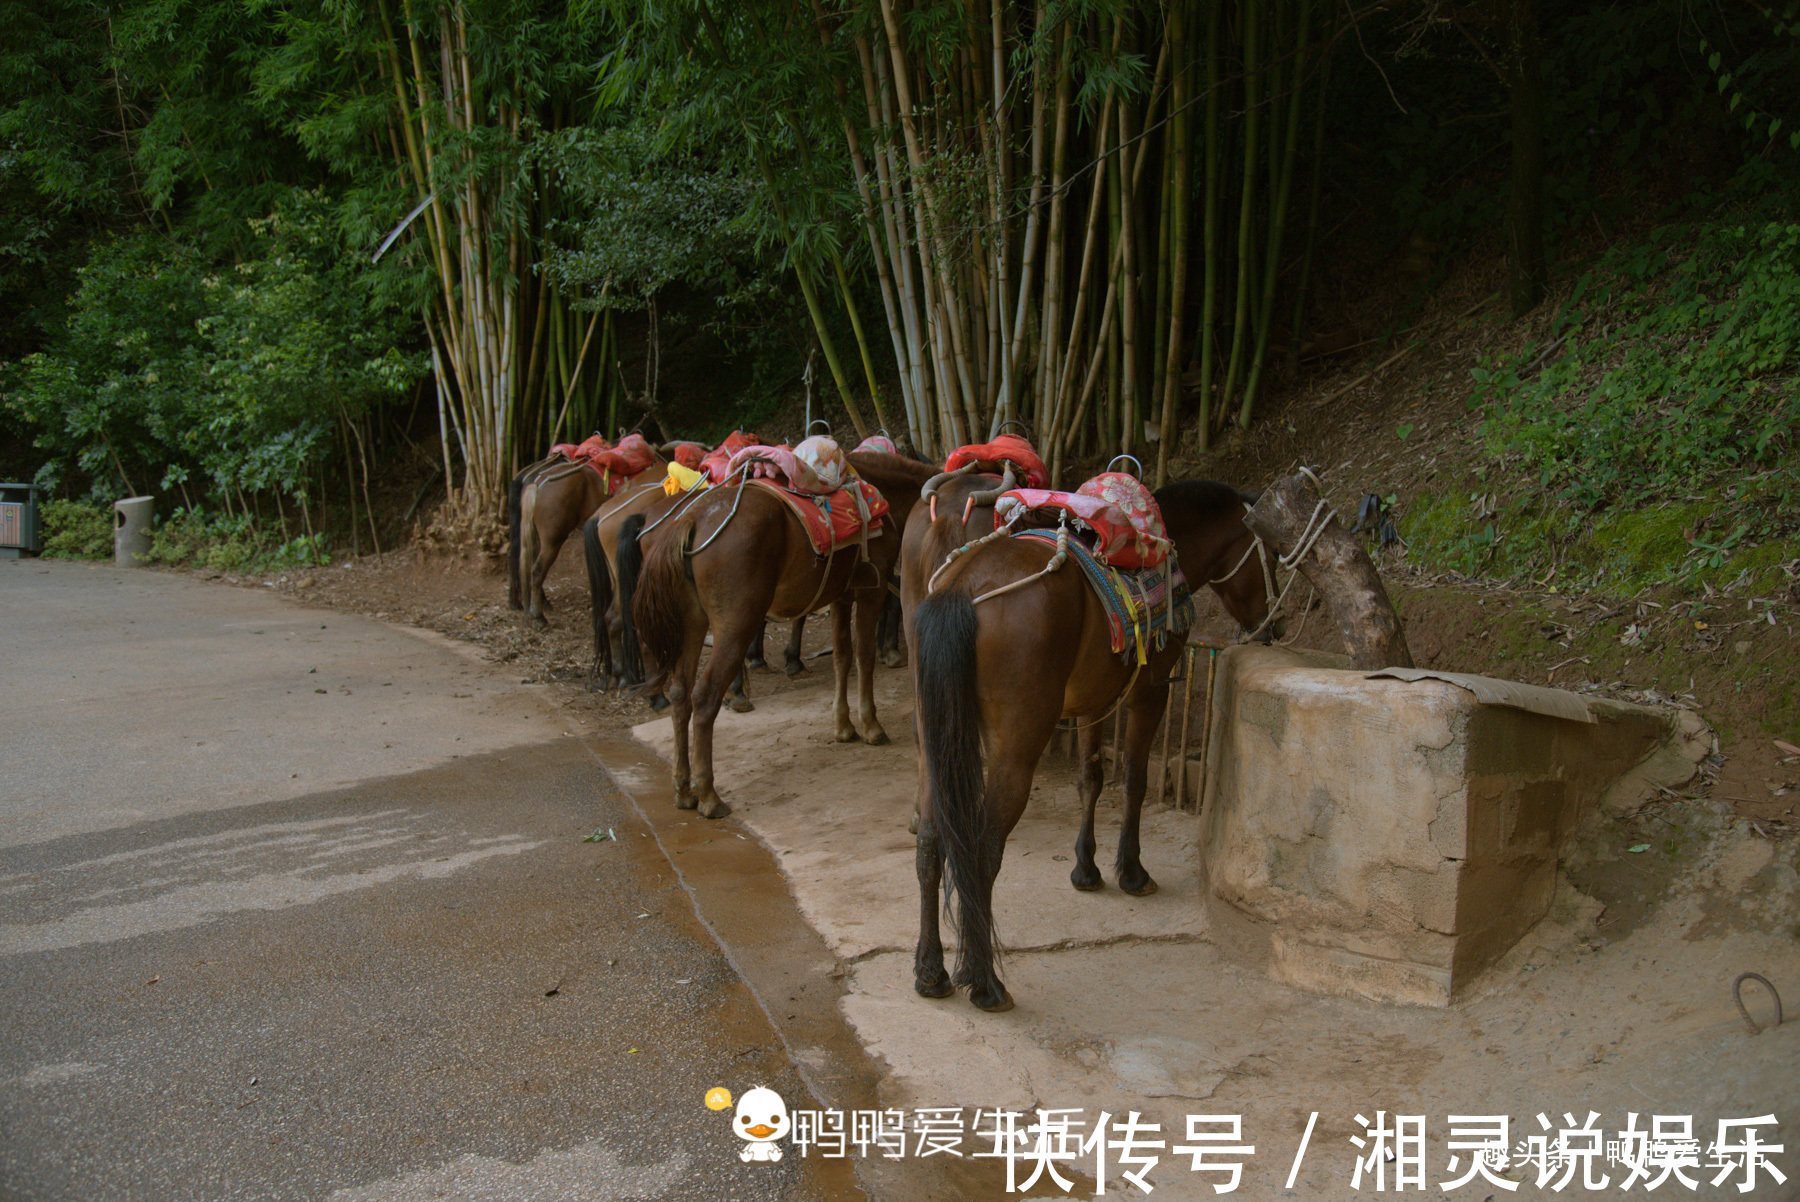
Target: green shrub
[[228, 543], [77, 530]]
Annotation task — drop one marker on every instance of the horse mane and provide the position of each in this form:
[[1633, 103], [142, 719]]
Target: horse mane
[[1204, 499], [887, 471]]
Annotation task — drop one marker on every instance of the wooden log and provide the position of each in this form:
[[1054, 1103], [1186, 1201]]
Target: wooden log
[[1338, 567]]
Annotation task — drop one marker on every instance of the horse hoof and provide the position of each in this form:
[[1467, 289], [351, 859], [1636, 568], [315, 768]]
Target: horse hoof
[[714, 808], [894, 659], [878, 739], [1087, 882], [912, 828], [986, 1000], [1137, 888], [659, 703], [938, 987], [742, 705], [686, 801], [795, 667], [847, 734], [757, 665]]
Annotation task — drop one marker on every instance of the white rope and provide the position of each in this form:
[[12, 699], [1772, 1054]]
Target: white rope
[[1056, 561], [999, 532], [1316, 525]]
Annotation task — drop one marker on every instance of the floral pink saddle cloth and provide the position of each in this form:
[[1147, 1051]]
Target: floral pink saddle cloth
[[1114, 512]]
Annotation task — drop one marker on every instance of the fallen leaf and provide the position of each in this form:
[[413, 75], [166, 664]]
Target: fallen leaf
[[152, 980], [1638, 848], [1786, 747]]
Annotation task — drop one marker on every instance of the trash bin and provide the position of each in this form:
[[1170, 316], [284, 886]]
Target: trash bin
[[18, 520], [131, 530]]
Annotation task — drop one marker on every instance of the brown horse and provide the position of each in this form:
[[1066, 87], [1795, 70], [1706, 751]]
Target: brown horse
[[736, 556], [614, 561], [552, 505], [1008, 670]]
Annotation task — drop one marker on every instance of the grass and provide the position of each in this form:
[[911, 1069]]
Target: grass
[[1650, 438]]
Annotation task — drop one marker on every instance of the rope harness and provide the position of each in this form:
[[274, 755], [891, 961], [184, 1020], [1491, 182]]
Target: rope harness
[[1316, 525]]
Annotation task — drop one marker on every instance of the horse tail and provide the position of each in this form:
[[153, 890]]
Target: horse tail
[[599, 591], [629, 560], [515, 596], [950, 727], [660, 604]]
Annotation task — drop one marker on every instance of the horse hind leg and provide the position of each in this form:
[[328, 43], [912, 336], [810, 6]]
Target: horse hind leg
[[680, 704], [1141, 720], [1085, 876], [740, 702], [868, 617], [755, 658], [727, 659], [889, 638], [840, 670], [794, 664], [929, 977]]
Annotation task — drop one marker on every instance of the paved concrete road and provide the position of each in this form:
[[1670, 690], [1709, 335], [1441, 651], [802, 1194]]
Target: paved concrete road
[[259, 940]]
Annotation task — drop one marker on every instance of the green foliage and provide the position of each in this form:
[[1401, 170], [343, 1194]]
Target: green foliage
[[230, 543], [76, 530], [1686, 375], [168, 372], [1651, 439]]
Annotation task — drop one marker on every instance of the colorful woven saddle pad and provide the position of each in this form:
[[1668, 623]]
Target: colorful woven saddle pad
[[880, 443], [1007, 448], [1142, 606], [834, 520], [1116, 515]]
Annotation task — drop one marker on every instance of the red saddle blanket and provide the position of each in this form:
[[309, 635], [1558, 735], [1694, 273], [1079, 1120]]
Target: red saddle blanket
[[689, 455], [1124, 519], [877, 442], [1007, 448], [715, 462], [832, 520], [615, 464]]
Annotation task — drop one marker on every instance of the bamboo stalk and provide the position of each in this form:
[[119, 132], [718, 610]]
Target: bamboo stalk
[[1278, 215], [1240, 322], [1180, 136], [1209, 239]]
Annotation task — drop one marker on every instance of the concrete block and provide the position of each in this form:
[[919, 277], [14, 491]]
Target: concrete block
[[1391, 839]]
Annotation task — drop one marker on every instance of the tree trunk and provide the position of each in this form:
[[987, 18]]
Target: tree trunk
[[1339, 568]]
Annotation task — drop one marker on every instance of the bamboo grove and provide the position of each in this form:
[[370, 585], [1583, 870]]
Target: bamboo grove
[[470, 91], [1089, 219]]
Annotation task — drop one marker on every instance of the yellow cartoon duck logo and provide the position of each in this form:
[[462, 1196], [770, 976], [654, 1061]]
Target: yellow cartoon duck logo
[[761, 1120]]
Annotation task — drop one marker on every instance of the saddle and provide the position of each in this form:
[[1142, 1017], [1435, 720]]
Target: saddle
[[835, 506], [714, 462], [879, 443], [1144, 604], [1113, 513], [992, 456], [616, 464]]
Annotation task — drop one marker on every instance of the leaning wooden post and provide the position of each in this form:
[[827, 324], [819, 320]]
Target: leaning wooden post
[[1187, 714], [1212, 667], [1162, 787], [1289, 514]]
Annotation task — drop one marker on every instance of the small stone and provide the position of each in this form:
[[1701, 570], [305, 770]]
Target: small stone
[[1742, 646], [306, 582]]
